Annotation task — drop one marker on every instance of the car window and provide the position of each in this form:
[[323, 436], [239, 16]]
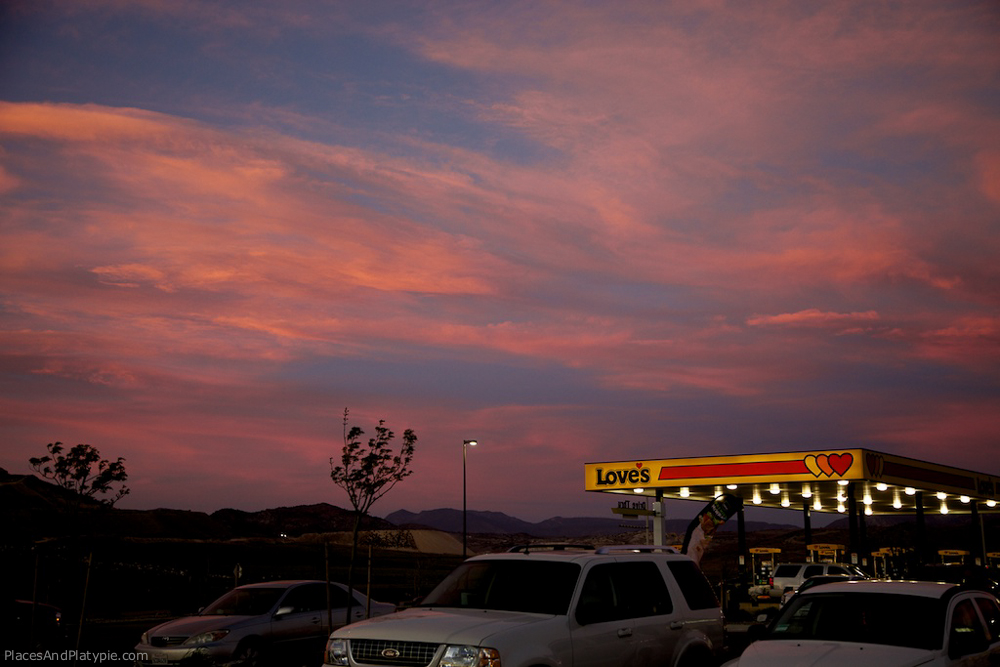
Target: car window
[[616, 591], [833, 569], [244, 602], [697, 591], [339, 598], [964, 620], [872, 618], [991, 612], [308, 597], [786, 571], [812, 571], [541, 587]]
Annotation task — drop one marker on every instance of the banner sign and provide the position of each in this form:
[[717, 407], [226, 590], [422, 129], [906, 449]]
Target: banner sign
[[702, 529]]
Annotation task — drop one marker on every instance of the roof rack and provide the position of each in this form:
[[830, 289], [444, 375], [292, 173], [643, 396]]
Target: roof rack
[[637, 548], [550, 546]]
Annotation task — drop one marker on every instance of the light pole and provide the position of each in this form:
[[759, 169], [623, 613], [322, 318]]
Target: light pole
[[465, 539]]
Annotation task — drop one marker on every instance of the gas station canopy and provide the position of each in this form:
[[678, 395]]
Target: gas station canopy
[[821, 480]]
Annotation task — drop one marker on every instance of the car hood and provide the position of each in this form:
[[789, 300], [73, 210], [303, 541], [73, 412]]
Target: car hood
[[439, 625], [769, 653], [193, 625]]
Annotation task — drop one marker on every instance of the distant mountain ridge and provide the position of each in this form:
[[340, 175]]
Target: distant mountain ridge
[[450, 520], [36, 508]]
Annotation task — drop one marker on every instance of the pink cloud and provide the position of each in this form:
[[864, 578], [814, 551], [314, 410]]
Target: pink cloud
[[813, 317]]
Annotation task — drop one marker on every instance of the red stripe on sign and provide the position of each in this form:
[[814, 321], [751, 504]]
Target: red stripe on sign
[[896, 469], [755, 469]]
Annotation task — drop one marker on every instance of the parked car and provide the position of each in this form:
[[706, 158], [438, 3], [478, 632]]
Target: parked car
[[791, 575], [27, 626], [881, 623], [818, 580], [968, 576], [253, 623], [569, 607]]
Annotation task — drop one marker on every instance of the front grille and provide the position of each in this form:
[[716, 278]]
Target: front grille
[[400, 654], [166, 641]]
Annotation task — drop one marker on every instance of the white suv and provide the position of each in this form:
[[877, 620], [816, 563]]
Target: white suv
[[562, 607], [791, 575]]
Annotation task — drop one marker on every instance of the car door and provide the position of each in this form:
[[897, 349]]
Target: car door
[[338, 603], [301, 616], [622, 617], [971, 641]]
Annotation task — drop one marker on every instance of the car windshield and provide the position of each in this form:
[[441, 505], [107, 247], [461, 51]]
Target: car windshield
[[869, 618], [539, 587], [244, 602]]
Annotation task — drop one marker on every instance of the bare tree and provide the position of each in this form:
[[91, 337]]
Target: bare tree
[[367, 473], [74, 471]]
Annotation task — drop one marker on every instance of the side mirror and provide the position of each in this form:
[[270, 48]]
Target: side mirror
[[756, 631], [966, 643], [283, 611]]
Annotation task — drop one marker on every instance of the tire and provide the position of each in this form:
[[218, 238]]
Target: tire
[[249, 653]]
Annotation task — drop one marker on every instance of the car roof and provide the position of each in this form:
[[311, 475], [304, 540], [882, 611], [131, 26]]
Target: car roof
[[284, 583], [919, 588], [582, 553]]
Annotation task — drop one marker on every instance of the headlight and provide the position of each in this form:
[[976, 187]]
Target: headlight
[[470, 656], [205, 637], [336, 652]]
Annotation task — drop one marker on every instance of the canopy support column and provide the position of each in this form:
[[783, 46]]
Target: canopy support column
[[807, 521], [921, 528]]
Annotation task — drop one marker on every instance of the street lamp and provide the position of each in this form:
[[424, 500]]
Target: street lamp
[[465, 539]]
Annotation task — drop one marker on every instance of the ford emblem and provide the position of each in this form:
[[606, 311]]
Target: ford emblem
[[390, 653]]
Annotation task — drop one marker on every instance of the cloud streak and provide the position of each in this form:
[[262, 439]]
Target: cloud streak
[[574, 233]]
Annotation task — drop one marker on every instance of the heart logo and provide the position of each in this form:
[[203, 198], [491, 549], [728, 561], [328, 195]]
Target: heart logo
[[841, 463], [812, 465], [639, 464], [824, 464], [875, 464], [828, 465]]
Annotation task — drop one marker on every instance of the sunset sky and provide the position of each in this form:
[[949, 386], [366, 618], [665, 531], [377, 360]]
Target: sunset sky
[[576, 231]]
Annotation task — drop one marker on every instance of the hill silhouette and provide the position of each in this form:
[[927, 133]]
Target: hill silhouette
[[34, 508]]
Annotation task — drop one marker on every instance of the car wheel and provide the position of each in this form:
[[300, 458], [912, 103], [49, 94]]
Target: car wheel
[[249, 653], [697, 658]]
